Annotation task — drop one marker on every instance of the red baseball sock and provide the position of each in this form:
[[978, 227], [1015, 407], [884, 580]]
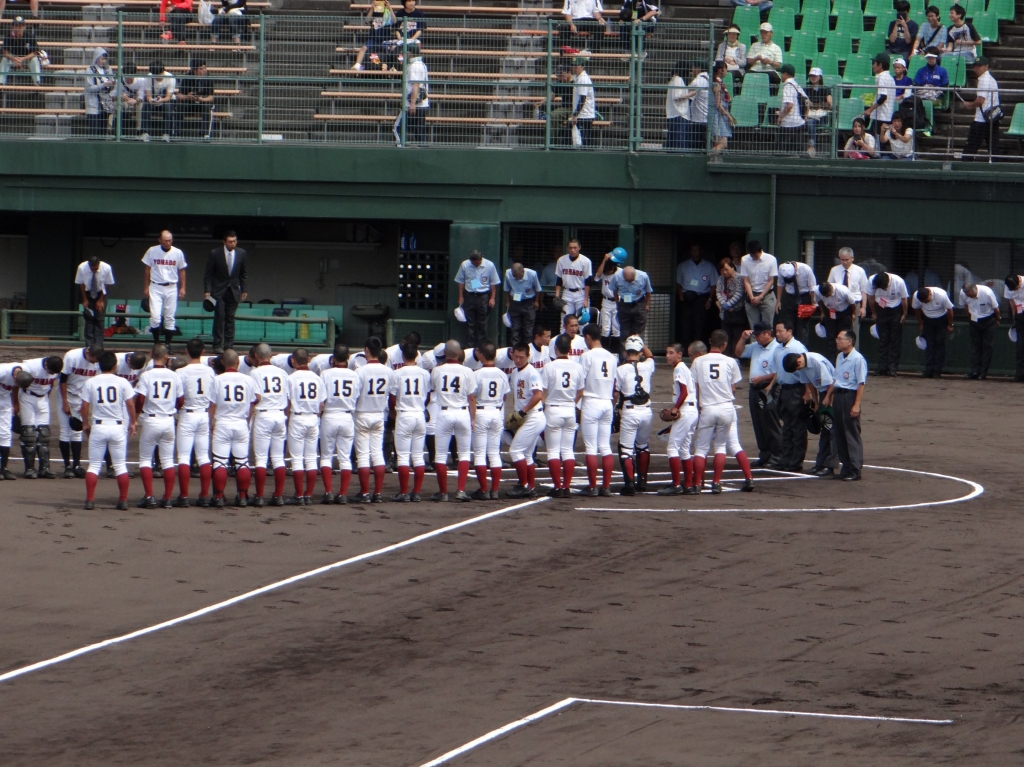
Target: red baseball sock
[[463, 475], [418, 473], [555, 467], [327, 473], [147, 481], [378, 479], [220, 481], [261, 480], [719, 465], [403, 479], [698, 469], [568, 467], [299, 478], [675, 465], [364, 480], [592, 470], [122, 486], [346, 477], [242, 478], [495, 478], [280, 478], [607, 467], [310, 480], [90, 486], [627, 470], [643, 463], [688, 472], [441, 469], [205, 476], [531, 475], [744, 462], [170, 475], [521, 472], [481, 476], [184, 475]]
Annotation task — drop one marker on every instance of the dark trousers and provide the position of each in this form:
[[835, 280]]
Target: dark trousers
[[94, 323], [194, 120], [696, 136], [224, 321], [792, 140], [415, 126], [983, 335], [177, 21], [233, 23], [96, 125], [982, 133], [676, 138], [734, 323], [475, 306], [1018, 323], [589, 34], [694, 314], [788, 310], [828, 452], [842, 321], [767, 430], [586, 132], [632, 319], [149, 117], [934, 332], [523, 315], [846, 432], [793, 412], [890, 339]]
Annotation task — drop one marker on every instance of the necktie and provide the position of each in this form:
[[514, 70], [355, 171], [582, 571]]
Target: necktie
[[230, 255], [94, 289], [846, 278]]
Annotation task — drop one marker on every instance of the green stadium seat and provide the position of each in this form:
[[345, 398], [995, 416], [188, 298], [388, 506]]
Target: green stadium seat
[[1005, 10], [987, 26], [249, 330], [831, 81], [190, 328], [783, 20], [804, 45], [872, 43], [828, 63], [850, 22], [839, 45], [819, 6], [1017, 122], [957, 69], [773, 106], [744, 110], [915, 64], [929, 116], [730, 83], [748, 19], [755, 87], [337, 312], [815, 22], [858, 70], [839, 6], [793, 5], [849, 109], [877, 7]]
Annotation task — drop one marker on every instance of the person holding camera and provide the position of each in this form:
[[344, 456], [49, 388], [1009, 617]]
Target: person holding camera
[[902, 31], [900, 138], [861, 145], [987, 113], [99, 103]]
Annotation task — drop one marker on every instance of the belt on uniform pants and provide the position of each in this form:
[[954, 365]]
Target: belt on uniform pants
[[492, 407], [192, 410], [572, 290], [637, 407], [163, 284], [271, 410], [100, 423], [157, 415], [41, 396], [445, 407]]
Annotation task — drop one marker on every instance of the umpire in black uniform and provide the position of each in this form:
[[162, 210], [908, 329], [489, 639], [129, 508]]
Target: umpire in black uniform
[[224, 282]]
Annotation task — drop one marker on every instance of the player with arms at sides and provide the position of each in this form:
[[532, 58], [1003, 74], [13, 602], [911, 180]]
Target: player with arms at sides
[[235, 398], [306, 396], [598, 368], [13, 379], [563, 386], [197, 380], [683, 416], [634, 381], [270, 425], [79, 366], [34, 412], [105, 400], [453, 386], [716, 376], [491, 388], [374, 384], [573, 272], [527, 419], [159, 395], [410, 386], [164, 284], [337, 429]]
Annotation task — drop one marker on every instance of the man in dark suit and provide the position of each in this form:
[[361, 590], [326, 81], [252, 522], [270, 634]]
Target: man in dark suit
[[224, 281]]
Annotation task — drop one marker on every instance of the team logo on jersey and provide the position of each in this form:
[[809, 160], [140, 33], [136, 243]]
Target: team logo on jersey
[[846, 375]]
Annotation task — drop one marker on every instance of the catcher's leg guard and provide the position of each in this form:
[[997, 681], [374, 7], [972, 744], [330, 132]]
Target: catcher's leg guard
[[43, 449], [29, 438]]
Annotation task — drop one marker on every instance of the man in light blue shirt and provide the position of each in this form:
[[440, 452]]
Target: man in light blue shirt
[[759, 347], [792, 410], [478, 285], [819, 374], [522, 300], [695, 284], [845, 396], [632, 289]]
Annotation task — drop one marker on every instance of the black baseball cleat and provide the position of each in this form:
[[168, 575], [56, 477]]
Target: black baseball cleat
[[110, 473], [748, 486], [122, 506], [494, 495], [295, 500], [480, 495], [565, 493], [400, 498], [166, 503], [377, 498], [630, 489], [533, 492], [88, 506], [641, 485], [971, 377], [47, 474], [144, 503], [277, 500], [716, 488], [463, 496], [182, 502], [258, 501], [439, 497], [327, 498], [691, 490], [589, 492], [364, 498], [307, 500], [670, 490], [203, 502], [605, 492], [517, 491], [242, 500], [555, 492], [414, 498], [79, 472], [218, 503], [340, 499], [69, 473], [8, 475]]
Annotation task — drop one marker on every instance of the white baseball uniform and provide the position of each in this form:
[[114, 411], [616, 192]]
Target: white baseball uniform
[[451, 385], [197, 380], [524, 382], [491, 388], [563, 378], [574, 276], [108, 397], [34, 402], [306, 393], [7, 387], [715, 376], [374, 385], [161, 387], [609, 306], [270, 424], [410, 385], [282, 361], [76, 372], [539, 356], [337, 428], [234, 394], [321, 362], [680, 439], [503, 360], [635, 424], [576, 349], [163, 284], [598, 368]]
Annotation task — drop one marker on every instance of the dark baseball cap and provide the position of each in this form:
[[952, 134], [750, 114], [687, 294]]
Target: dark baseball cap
[[982, 60], [787, 69], [883, 59]]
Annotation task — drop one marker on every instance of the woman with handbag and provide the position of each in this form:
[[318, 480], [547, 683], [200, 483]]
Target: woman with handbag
[[819, 108], [719, 115], [729, 296]]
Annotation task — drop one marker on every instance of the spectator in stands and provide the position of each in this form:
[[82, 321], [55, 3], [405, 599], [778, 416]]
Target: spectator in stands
[[636, 13], [791, 122], [409, 25], [231, 17], [819, 108], [381, 16], [700, 92], [933, 34], [561, 98], [159, 101], [765, 56], [861, 145], [720, 116], [99, 100], [987, 113], [677, 108], [961, 39], [882, 107], [417, 98], [195, 103], [180, 16], [762, 5], [584, 24], [132, 95], [902, 31], [729, 295], [33, 6], [21, 54], [899, 138], [902, 82], [583, 107], [931, 78], [733, 53]]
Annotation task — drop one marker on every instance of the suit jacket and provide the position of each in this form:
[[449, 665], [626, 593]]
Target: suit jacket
[[216, 280]]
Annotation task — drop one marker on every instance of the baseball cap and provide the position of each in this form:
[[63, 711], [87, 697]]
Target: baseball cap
[[579, 61], [19, 21], [634, 344], [787, 69], [883, 59], [766, 27], [901, 62], [816, 71], [787, 271], [982, 60]]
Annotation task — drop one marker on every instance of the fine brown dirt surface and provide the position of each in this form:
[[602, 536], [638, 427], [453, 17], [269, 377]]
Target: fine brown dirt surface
[[400, 658]]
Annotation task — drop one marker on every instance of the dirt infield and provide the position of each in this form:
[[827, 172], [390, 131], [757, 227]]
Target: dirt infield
[[404, 656]]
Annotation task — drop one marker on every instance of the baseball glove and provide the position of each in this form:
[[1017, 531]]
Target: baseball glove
[[667, 415], [513, 422], [558, 303]]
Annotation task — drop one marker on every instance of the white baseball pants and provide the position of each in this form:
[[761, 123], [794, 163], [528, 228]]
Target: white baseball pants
[[573, 301], [193, 432], [337, 432], [231, 438], [103, 437], [303, 438], [455, 422], [610, 318], [716, 421], [680, 439], [597, 425], [410, 435], [525, 439], [369, 439], [560, 432], [64, 420], [268, 433], [487, 436], [163, 303], [6, 420], [634, 429], [34, 411], [157, 432]]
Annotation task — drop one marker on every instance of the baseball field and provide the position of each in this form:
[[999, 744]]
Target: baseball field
[[811, 622]]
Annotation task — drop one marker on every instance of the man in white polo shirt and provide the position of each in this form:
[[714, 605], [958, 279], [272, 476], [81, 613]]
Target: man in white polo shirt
[[164, 284], [853, 277], [759, 270], [934, 313], [983, 306], [888, 294], [1013, 292], [92, 279]]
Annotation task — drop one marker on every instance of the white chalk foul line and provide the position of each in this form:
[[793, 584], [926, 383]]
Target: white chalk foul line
[[976, 490], [262, 590], [567, 702]]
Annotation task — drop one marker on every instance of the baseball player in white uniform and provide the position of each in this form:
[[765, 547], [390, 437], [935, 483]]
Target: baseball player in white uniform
[[197, 380], [491, 388], [270, 425], [573, 271], [283, 362], [164, 283], [12, 379], [634, 381], [129, 367], [79, 366], [715, 376], [598, 367], [527, 400], [235, 398], [374, 385], [571, 329], [453, 386], [563, 386], [306, 394], [337, 427], [538, 351], [410, 386], [105, 399], [607, 269], [34, 412], [684, 408], [159, 395]]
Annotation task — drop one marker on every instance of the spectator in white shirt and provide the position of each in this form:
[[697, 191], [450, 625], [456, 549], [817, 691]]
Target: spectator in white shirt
[[861, 145], [852, 276], [885, 94], [899, 139], [765, 55], [132, 95], [159, 101], [759, 270], [584, 25], [677, 108], [987, 113], [983, 306], [583, 106], [791, 122]]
